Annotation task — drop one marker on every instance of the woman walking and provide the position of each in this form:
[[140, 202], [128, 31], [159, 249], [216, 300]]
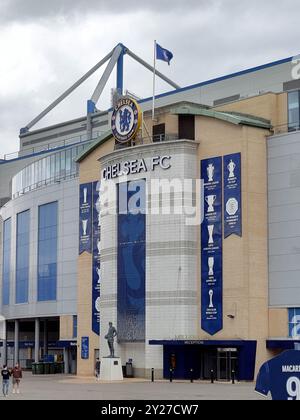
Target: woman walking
[[5, 380], [17, 376]]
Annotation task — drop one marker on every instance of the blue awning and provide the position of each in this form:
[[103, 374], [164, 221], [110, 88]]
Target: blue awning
[[282, 344], [219, 343]]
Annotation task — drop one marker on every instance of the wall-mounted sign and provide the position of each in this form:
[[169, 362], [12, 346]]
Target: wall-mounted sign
[[211, 247], [85, 218], [126, 120], [96, 280], [84, 347], [232, 195], [136, 166]]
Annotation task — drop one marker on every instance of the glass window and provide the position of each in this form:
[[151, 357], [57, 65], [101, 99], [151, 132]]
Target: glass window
[[22, 257], [74, 326], [294, 110], [294, 322], [6, 261], [47, 251]]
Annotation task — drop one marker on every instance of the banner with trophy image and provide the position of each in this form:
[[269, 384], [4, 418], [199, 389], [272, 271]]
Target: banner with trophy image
[[211, 247], [96, 280], [85, 218], [232, 195]]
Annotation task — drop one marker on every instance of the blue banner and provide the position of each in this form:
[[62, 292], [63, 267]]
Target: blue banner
[[232, 195], [211, 247], [85, 347], [131, 261], [85, 218], [96, 280]]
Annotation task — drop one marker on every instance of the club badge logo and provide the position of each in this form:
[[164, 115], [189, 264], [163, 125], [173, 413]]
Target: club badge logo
[[126, 120]]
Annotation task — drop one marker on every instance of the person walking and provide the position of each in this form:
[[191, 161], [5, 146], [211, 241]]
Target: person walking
[[16, 377], [97, 370], [5, 380]]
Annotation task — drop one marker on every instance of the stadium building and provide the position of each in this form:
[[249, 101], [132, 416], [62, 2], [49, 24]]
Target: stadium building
[[216, 290]]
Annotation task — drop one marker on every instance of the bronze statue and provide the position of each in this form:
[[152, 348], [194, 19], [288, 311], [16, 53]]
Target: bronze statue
[[111, 334]]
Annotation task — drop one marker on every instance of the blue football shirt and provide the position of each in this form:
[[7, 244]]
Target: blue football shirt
[[281, 377]]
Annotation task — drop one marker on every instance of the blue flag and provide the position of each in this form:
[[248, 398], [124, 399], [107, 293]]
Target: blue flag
[[163, 54]]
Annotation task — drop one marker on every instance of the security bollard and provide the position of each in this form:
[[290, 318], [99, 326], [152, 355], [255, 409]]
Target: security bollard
[[212, 378], [192, 375], [152, 375], [233, 377], [171, 375]]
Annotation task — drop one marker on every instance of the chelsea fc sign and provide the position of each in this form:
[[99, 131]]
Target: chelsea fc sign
[[125, 120]]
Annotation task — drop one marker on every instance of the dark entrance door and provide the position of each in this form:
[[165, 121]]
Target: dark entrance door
[[226, 363]]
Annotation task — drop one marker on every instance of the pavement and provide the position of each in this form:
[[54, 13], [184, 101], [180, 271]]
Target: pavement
[[66, 387]]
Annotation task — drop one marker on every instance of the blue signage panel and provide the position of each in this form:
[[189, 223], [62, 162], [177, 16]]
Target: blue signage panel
[[211, 247], [84, 347], [85, 218], [232, 195], [96, 280], [131, 260], [281, 377]]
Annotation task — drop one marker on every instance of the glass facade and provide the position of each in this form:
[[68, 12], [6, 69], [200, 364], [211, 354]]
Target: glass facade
[[47, 251], [6, 261], [51, 169], [22, 256], [294, 322], [294, 110]]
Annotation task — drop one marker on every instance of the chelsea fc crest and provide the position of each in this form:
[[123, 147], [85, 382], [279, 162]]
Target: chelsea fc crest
[[125, 120]]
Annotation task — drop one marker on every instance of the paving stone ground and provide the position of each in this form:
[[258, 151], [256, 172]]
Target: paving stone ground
[[65, 387]]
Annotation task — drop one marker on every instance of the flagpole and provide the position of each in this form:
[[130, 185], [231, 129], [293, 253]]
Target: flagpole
[[154, 71]]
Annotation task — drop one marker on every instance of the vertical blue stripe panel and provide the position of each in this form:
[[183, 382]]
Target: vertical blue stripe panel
[[6, 261], [131, 261], [22, 258], [47, 251]]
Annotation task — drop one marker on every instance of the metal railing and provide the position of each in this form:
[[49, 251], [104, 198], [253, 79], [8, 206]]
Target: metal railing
[[52, 146]]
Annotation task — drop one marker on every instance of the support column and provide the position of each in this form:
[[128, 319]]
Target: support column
[[120, 65], [4, 348], [45, 337], [66, 360], [37, 341], [16, 344]]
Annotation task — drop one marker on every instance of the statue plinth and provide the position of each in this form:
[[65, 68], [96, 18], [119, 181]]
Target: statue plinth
[[111, 369]]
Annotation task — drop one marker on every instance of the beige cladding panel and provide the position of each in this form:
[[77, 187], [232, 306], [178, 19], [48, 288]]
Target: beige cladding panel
[[66, 327], [278, 322], [245, 281]]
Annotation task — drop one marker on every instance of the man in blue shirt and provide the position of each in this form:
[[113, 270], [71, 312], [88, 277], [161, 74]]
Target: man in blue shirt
[[281, 377]]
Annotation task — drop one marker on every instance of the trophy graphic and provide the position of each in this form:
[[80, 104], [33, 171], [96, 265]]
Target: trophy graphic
[[84, 226], [210, 172], [210, 233], [211, 262], [231, 167], [99, 275], [85, 195], [210, 199], [99, 247], [211, 293]]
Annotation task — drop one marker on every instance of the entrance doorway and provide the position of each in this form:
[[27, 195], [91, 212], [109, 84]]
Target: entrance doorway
[[227, 362]]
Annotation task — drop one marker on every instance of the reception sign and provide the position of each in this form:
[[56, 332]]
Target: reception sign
[[96, 281], [85, 218], [232, 195], [211, 247]]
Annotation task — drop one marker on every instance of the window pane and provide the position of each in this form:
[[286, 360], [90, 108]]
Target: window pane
[[22, 259], [293, 114], [47, 252], [6, 261]]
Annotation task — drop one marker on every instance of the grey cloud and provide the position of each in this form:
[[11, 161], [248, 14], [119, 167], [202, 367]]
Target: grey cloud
[[29, 10]]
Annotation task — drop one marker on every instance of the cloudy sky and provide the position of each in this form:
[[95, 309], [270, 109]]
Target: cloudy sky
[[47, 45]]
